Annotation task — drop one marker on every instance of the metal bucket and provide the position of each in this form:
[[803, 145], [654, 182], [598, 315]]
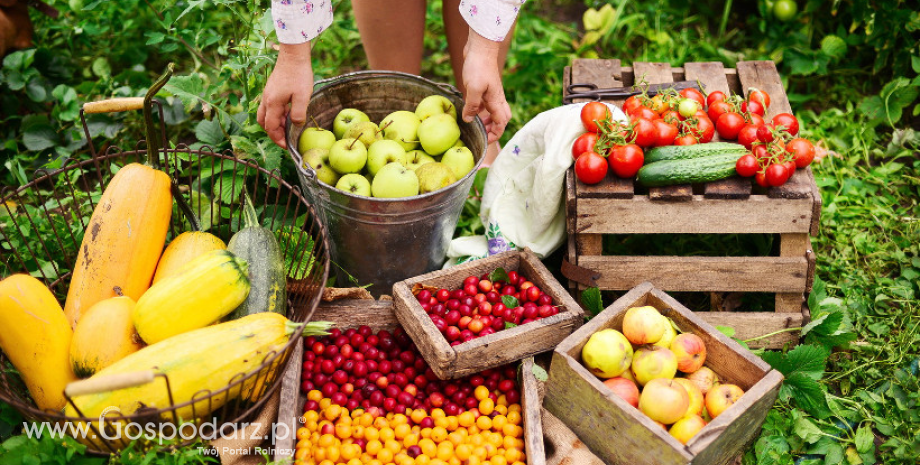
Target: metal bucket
[[383, 241]]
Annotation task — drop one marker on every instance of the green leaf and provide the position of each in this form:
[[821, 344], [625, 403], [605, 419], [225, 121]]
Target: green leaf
[[726, 330], [540, 373], [591, 300], [264, 151], [36, 91], [510, 301], [864, 439], [509, 324], [807, 430], [835, 455], [833, 46], [37, 133], [479, 182], [896, 95], [499, 275], [807, 394], [872, 107], [154, 38], [800, 63], [915, 63], [209, 132], [807, 359], [101, 67]]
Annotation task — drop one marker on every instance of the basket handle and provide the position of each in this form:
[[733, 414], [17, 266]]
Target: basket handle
[[114, 105], [361, 74], [97, 385]]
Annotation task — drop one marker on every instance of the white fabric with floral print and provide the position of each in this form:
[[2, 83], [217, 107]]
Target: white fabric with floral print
[[523, 203], [299, 21]]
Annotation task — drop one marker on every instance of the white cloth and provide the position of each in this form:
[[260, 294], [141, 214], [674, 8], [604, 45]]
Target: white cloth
[[523, 203], [299, 21]]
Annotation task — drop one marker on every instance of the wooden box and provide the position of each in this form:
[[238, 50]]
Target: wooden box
[[731, 206], [495, 349], [619, 433], [381, 315]]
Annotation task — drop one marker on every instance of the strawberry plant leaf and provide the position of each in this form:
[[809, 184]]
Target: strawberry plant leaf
[[806, 359], [510, 301], [591, 300], [540, 373], [807, 430], [807, 393]]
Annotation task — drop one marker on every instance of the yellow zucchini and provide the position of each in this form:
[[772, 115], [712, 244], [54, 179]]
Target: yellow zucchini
[[104, 335], [35, 335], [183, 249], [199, 294]]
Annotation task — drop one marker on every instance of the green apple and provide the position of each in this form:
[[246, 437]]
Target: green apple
[[312, 138], [354, 183], [318, 159], [345, 118], [365, 131], [417, 158], [347, 156], [459, 143], [460, 160], [401, 126], [394, 181], [435, 105], [434, 176], [383, 152], [438, 133]]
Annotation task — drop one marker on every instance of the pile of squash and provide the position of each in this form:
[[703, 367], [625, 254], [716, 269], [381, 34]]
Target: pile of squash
[[200, 311]]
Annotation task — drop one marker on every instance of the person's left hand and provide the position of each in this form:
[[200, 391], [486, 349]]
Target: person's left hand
[[482, 80]]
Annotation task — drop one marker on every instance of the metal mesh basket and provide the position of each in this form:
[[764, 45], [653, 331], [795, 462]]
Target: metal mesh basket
[[41, 228]]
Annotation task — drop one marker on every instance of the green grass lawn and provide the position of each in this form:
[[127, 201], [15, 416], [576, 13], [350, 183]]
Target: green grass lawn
[[852, 388]]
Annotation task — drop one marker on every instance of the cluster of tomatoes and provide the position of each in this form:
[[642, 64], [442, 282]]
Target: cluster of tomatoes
[[775, 151], [688, 117]]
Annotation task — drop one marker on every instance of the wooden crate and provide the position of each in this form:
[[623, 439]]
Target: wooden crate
[[619, 433], [495, 349], [381, 315], [619, 206]]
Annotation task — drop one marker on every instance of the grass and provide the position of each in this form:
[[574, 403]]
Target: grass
[[867, 250]]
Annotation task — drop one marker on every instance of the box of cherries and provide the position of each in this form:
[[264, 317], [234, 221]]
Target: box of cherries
[[485, 313]]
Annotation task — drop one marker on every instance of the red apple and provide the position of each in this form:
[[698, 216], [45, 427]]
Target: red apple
[[664, 400], [721, 397], [650, 362], [624, 388], [696, 396], [690, 351], [644, 325]]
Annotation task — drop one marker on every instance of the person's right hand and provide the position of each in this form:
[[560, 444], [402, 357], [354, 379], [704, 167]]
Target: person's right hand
[[482, 80], [291, 82]]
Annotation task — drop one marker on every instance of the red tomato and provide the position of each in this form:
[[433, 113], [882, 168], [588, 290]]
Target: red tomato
[[717, 109], [584, 143], [760, 151], [672, 117], [644, 113], [802, 150], [759, 96], [729, 125], [790, 167], [666, 133], [703, 129], [747, 165], [695, 95], [761, 178], [625, 160], [777, 174], [754, 119], [644, 133], [592, 113], [591, 168], [791, 123], [748, 135], [632, 104], [715, 96], [753, 107], [686, 139], [765, 133]]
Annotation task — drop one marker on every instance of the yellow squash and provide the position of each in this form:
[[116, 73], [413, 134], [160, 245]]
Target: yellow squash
[[123, 240], [206, 358], [199, 294], [35, 335], [104, 335], [183, 249]]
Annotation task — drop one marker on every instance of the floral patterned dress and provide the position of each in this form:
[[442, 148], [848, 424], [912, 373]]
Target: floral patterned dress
[[299, 21]]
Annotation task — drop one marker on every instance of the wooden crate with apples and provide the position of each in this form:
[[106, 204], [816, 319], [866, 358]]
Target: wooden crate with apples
[[788, 213], [504, 345], [381, 315], [618, 432]]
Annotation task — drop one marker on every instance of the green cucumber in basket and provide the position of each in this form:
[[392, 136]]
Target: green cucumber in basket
[[681, 152], [688, 170], [267, 278]]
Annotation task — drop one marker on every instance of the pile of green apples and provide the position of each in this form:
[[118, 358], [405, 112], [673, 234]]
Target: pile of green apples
[[408, 153]]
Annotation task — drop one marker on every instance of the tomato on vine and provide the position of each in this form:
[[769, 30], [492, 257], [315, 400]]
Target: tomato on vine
[[584, 143], [759, 96], [694, 94], [802, 150], [717, 109], [592, 114], [625, 160], [765, 133], [686, 139], [715, 96], [591, 168], [789, 122], [753, 107], [777, 174], [666, 133], [747, 166], [644, 113], [748, 135], [644, 133], [729, 125]]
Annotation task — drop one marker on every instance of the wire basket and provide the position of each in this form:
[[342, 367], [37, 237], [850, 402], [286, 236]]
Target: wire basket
[[41, 228]]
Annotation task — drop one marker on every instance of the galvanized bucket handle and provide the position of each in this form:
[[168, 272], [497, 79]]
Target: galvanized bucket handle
[[293, 128]]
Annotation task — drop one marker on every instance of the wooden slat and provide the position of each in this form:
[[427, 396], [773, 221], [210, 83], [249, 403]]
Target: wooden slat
[[749, 325], [712, 76], [793, 246], [660, 73], [816, 199], [701, 274], [532, 408], [643, 216], [763, 75], [602, 73], [797, 187], [352, 313]]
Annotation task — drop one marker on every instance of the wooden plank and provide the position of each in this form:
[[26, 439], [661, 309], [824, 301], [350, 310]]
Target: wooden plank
[[701, 274], [812, 260], [290, 405], [748, 325], [532, 408], [566, 80], [570, 212], [640, 215], [797, 187], [763, 75], [589, 244], [793, 246], [712, 76], [816, 198], [352, 313], [660, 73]]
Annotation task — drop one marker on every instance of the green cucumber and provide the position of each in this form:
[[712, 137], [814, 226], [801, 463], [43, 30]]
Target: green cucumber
[[681, 152], [267, 279], [689, 170]]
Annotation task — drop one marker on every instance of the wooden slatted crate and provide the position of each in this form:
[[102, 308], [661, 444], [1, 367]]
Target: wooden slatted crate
[[619, 206], [381, 315]]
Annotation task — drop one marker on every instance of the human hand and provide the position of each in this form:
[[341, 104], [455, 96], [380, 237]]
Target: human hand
[[291, 82], [482, 80]]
